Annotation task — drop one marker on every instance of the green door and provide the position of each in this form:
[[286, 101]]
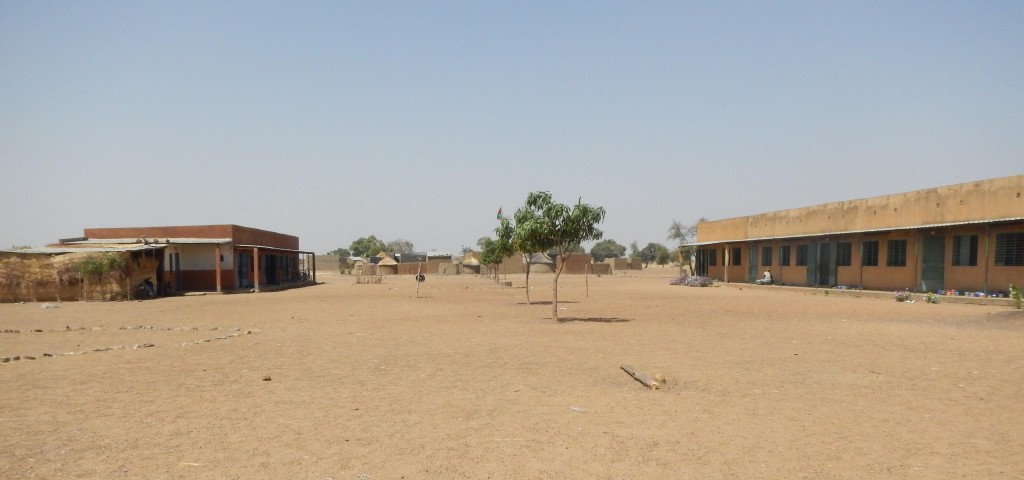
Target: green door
[[933, 259], [752, 264], [812, 264]]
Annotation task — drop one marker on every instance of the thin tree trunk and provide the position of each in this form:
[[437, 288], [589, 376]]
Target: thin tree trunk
[[554, 293], [527, 281]]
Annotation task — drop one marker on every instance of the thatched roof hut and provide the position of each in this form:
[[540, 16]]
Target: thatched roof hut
[[387, 266], [470, 264]]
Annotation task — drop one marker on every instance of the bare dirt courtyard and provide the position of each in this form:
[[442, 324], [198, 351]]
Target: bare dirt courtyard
[[346, 381]]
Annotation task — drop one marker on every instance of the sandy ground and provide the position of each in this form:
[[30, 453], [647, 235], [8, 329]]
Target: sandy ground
[[346, 381]]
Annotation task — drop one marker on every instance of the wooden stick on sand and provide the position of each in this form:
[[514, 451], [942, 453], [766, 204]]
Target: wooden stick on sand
[[642, 378]]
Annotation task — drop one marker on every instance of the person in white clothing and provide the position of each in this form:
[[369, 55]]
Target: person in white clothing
[[767, 280]]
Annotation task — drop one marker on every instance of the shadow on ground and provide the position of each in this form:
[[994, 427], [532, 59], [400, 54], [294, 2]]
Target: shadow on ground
[[544, 302], [593, 320]]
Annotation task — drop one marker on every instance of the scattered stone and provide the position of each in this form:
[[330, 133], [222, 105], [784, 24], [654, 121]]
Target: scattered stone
[[47, 354], [16, 357], [266, 378], [38, 330], [5, 359], [49, 305], [29, 357]]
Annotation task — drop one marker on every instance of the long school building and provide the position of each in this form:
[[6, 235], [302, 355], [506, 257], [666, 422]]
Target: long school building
[[967, 237]]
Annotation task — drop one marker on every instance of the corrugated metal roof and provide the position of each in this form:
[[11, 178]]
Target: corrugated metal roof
[[96, 249], [276, 249], [162, 240], [849, 232]]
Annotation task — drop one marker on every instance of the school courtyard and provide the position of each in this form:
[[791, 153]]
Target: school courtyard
[[369, 381]]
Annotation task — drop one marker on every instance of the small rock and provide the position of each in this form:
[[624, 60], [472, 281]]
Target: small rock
[[5, 359], [47, 354], [266, 378], [29, 357], [49, 305]]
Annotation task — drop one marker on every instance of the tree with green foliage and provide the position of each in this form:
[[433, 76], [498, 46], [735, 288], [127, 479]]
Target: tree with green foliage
[[662, 255], [557, 226], [341, 252], [399, 245], [493, 253], [607, 249], [649, 253], [366, 246], [482, 242], [553, 253], [513, 237], [683, 234]]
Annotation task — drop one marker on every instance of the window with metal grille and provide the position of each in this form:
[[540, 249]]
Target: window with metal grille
[[801, 255], [965, 251], [1010, 249], [869, 253], [766, 256], [844, 254], [896, 253], [737, 252], [784, 256]]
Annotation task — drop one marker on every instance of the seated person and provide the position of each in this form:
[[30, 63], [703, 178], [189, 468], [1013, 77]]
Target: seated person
[[767, 280]]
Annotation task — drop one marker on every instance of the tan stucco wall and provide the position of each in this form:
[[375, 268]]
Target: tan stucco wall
[[972, 201]]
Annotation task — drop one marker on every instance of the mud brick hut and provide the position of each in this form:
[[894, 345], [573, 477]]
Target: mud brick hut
[[81, 272]]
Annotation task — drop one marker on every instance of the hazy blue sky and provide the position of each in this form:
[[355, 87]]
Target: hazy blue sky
[[417, 120]]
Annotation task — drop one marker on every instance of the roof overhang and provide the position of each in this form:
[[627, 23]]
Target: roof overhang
[[94, 249], [275, 249], [149, 241]]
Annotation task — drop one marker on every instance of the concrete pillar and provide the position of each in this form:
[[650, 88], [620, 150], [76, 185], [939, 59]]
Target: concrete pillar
[[256, 268], [217, 262]]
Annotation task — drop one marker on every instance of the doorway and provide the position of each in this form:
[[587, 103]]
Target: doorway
[[933, 260]]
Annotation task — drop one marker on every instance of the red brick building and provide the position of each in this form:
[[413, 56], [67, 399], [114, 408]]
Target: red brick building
[[216, 257]]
